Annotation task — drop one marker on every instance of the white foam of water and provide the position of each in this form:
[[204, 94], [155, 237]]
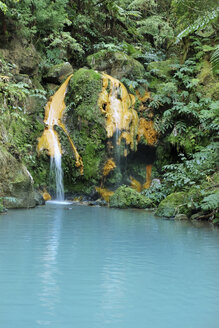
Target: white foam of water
[[56, 166], [57, 202]]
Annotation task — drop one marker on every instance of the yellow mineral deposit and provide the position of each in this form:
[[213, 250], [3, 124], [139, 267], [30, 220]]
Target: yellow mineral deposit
[[108, 167], [104, 193], [135, 184], [117, 105], [46, 196], [147, 184], [53, 116], [146, 130]]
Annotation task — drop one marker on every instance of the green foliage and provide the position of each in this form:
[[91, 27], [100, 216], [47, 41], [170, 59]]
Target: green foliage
[[191, 171], [157, 27], [210, 202], [215, 60], [155, 193], [3, 7], [200, 24]]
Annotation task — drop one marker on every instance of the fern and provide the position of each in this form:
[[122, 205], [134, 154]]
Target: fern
[[215, 60], [210, 202], [199, 24]]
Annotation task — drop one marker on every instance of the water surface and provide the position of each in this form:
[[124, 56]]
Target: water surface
[[65, 266]]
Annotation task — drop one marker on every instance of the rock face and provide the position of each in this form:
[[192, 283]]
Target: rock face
[[86, 126], [172, 205], [16, 184], [116, 64], [24, 55], [125, 197], [58, 73]]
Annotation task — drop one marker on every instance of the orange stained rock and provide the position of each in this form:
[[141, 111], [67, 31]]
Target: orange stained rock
[[56, 105], [135, 184], [53, 116], [46, 196], [108, 167], [117, 105], [147, 184], [104, 193], [146, 129], [79, 162], [47, 141]]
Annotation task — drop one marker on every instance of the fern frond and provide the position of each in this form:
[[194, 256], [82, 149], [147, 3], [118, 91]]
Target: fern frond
[[199, 24], [215, 60], [210, 202]]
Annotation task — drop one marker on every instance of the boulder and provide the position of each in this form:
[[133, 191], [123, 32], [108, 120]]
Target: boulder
[[126, 197], [16, 183], [172, 205], [24, 55], [58, 73], [116, 64]]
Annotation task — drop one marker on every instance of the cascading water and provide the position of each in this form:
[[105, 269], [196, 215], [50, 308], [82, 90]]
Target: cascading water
[[115, 103], [56, 167], [50, 140]]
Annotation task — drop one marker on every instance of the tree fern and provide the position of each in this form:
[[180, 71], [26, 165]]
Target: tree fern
[[199, 24], [215, 60]]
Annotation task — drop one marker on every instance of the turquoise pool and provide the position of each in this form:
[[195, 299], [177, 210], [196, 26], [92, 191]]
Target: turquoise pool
[[65, 266]]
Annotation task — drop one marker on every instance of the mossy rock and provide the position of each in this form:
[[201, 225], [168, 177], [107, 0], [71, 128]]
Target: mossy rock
[[2, 210], [86, 125], [15, 202], [16, 184], [24, 55], [209, 84], [58, 73], [126, 197], [116, 64], [173, 204]]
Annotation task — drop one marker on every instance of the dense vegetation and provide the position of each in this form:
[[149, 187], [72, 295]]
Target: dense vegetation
[[177, 44]]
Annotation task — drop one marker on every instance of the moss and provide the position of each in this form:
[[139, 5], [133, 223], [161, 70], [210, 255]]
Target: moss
[[209, 84], [125, 197], [1, 206], [58, 73], [173, 204], [86, 126]]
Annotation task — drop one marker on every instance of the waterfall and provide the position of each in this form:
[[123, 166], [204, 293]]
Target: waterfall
[[56, 167], [50, 141], [115, 104]]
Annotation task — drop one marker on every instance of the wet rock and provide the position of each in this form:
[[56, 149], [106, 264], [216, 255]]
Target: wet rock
[[180, 217], [39, 200], [196, 216], [14, 202], [58, 73]]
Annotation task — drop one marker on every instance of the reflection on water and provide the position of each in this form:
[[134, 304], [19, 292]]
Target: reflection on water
[[72, 266]]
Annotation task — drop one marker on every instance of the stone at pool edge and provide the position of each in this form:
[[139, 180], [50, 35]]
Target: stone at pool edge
[[180, 217], [172, 205], [126, 197]]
